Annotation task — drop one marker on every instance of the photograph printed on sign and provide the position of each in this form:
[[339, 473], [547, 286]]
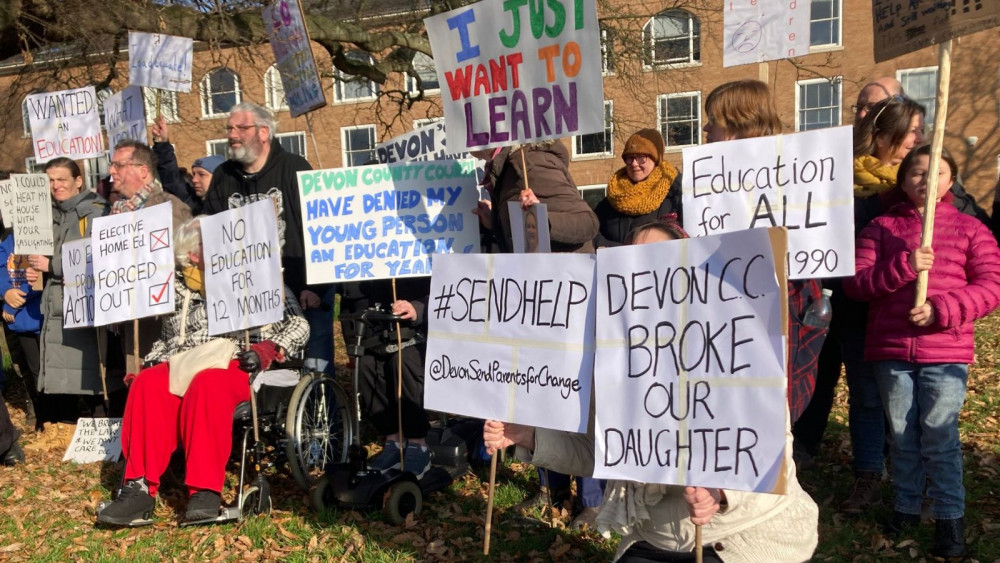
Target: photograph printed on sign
[[511, 337], [690, 380]]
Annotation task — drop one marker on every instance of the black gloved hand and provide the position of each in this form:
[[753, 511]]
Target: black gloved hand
[[249, 361]]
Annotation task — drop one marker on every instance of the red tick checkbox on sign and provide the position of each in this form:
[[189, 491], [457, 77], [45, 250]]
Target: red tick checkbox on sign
[[158, 292]]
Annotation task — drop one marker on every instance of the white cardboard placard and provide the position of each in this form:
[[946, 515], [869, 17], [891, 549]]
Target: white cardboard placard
[[65, 123]]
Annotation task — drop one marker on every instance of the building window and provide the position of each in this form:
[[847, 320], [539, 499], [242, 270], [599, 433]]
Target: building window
[[32, 166], [824, 23], [217, 147], [593, 194], [168, 105], [359, 144], [423, 66], [597, 144], [220, 91], [817, 103], [94, 169], [294, 143], [920, 85], [347, 88], [680, 119], [607, 51], [102, 96], [672, 37], [274, 90]]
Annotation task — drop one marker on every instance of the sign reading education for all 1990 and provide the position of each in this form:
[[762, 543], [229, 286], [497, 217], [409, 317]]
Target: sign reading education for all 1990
[[385, 221], [517, 72], [689, 377], [802, 182]]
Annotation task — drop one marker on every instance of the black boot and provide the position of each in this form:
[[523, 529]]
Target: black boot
[[949, 538], [900, 523]]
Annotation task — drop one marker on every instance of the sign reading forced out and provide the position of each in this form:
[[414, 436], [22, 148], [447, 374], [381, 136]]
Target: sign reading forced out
[[802, 182], [904, 27], [690, 365]]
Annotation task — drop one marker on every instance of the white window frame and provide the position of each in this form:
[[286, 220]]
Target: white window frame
[[340, 80], [168, 105], [931, 105], [592, 187], [32, 166], [609, 132], [839, 17], [411, 82], [207, 108], [302, 139], [607, 52], [694, 42], [94, 169], [661, 102], [838, 110], [274, 90], [100, 96], [346, 151], [211, 144]]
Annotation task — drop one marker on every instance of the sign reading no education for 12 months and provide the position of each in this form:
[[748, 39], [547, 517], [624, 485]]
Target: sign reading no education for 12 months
[[510, 337], [690, 373], [133, 256], [385, 221], [802, 182], [78, 284], [243, 268], [32, 214], [517, 72]]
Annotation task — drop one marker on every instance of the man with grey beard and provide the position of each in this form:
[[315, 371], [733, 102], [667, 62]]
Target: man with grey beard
[[259, 168]]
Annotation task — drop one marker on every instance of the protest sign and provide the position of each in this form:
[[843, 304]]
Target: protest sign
[[511, 338], [386, 220], [31, 218], [78, 284], [802, 182], [690, 365], [65, 123], [133, 256], [160, 61], [514, 74], [755, 35], [529, 228], [293, 53], [95, 439], [125, 116], [243, 284], [421, 144], [904, 27]]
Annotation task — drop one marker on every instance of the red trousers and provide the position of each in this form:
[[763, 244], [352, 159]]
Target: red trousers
[[155, 420]]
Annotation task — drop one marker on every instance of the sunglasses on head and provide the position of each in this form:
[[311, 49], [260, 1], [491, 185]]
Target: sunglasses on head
[[895, 98]]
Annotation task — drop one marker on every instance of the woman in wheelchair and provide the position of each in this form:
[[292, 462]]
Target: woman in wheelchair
[[201, 420]]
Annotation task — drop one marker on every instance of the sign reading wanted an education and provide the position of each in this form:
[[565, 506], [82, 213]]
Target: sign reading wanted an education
[[803, 182], [243, 284], [511, 338], [65, 123], [133, 255], [78, 284], [31, 217], [690, 380], [386, 221]]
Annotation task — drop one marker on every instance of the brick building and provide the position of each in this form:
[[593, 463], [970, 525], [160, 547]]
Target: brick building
[[658, 69]]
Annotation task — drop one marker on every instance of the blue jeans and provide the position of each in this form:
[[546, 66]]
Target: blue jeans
[[865, 417], [922, 403], [319, 348]]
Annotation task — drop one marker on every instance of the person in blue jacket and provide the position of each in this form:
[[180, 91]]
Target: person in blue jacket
[[23, 315]]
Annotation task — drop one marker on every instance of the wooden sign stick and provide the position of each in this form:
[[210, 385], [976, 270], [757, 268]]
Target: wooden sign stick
[[698, 555], [937, 144], [489, 503], [102, 369], [135, 345]]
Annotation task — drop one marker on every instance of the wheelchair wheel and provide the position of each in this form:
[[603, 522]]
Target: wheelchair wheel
[[401, 499], [257, 498], [317, 428]]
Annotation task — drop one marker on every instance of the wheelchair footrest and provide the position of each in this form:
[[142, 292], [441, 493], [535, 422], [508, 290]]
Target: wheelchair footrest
[[227, 514]]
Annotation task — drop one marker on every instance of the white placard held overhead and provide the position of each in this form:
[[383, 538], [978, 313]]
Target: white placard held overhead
[[386, 221], [78, 284], [764, 31], [95, 439], [510, 337], [690, 380], [511, 73], [31, 218], [243, 283], [65, 123], [289, 38], [125, 116], [160, 61], [803, 182], [133, 255]]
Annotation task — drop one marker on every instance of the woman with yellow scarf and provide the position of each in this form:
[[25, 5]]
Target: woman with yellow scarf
[[890, 130]]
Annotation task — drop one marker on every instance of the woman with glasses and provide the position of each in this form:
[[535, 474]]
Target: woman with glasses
[[882, 139], [643, 190]]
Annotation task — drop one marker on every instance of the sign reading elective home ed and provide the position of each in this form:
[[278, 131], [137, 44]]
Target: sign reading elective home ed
[[386, 220], [31, 219], [243, 284], [511, 338], [160, 61], [689, 376], [904, 27], [802, 182], [513, 73], [65, 123], [289, 38], [78, 284], [133, 259], [765, 31]]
